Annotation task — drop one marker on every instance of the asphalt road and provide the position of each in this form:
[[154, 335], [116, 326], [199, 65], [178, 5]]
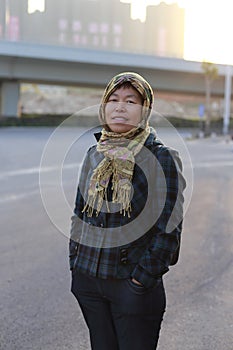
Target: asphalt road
[[37, 310]]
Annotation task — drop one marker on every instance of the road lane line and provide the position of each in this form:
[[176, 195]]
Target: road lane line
[[213, 164], [12, 197], [28, 171], [36, 170], [15, 197]]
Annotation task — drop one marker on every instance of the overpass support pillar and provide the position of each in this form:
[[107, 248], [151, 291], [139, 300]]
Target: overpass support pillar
[[9, 98], [227, 104]]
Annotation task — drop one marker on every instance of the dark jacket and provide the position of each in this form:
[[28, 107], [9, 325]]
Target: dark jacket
[[143, 246]]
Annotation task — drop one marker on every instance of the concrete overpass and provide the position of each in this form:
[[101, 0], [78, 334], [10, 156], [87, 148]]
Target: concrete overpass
[[26, 62]]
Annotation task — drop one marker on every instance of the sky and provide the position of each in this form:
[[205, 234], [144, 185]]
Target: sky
[[208, 27]]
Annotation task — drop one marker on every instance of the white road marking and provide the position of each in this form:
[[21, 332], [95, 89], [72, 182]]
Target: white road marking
[[36, 170], [213, 164], [15, 197], [12, 197]]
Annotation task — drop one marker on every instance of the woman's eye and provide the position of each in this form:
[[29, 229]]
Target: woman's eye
[[130, 101]]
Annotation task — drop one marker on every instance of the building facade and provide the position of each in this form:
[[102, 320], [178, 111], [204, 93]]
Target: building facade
[[95, 24]]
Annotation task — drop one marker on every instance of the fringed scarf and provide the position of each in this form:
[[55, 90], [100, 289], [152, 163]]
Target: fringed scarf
[[117, 167]]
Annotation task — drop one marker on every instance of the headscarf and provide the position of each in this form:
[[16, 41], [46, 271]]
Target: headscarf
[[139, 83], [119, 150]]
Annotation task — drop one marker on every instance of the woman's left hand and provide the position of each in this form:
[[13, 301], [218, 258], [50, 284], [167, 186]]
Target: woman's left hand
[[136, 282]]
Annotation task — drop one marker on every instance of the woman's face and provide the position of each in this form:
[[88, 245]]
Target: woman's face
[[123, 110]]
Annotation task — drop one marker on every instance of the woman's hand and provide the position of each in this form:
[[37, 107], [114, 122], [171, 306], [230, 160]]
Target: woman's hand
[[136, 282]]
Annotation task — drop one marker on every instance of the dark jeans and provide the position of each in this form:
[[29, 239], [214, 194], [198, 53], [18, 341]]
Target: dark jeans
[[120, 315]]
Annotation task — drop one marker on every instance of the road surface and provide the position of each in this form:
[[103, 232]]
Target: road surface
[[37, 309]]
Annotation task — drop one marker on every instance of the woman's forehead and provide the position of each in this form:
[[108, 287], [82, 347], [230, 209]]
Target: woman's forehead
[[126, 90]]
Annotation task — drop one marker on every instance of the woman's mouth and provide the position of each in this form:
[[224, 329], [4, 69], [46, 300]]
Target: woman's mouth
[[120, 119]]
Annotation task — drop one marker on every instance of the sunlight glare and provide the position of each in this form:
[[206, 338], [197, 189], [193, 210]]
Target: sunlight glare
[[36, 5], [208, 27]]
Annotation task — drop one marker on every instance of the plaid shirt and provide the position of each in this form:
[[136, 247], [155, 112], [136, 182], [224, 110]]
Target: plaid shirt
[[142, 246]]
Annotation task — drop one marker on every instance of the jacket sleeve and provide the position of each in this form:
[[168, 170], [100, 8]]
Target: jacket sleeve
[[156, 259], [77, 216]]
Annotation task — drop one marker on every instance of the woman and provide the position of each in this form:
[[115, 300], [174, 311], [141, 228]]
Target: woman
[[127, 222]]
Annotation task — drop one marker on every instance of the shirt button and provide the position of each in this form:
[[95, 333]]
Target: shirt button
[[124, 261], [124, 252]]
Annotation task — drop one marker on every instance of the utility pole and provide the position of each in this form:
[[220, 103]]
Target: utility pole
[[227, 99]]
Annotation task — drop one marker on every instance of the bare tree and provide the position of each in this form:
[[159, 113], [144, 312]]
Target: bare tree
[[211, 73]]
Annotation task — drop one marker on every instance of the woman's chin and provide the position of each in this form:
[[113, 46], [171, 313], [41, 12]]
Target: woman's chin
[[120, 128]]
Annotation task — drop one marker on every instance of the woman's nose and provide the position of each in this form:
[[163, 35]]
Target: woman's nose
[[120, 106]]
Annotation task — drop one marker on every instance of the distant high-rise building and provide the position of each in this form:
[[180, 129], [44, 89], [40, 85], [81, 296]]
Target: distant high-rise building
[[12, 12], [164, 30], [99, 24]]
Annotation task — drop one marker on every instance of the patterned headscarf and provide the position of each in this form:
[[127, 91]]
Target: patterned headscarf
[[119, 150], [139, 83]]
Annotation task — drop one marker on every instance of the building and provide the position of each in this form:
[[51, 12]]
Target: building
[[164, 30], [96, 24]]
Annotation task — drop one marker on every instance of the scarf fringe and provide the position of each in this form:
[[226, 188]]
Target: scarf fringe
[[95, 201], [122, 195], [117, 166]]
